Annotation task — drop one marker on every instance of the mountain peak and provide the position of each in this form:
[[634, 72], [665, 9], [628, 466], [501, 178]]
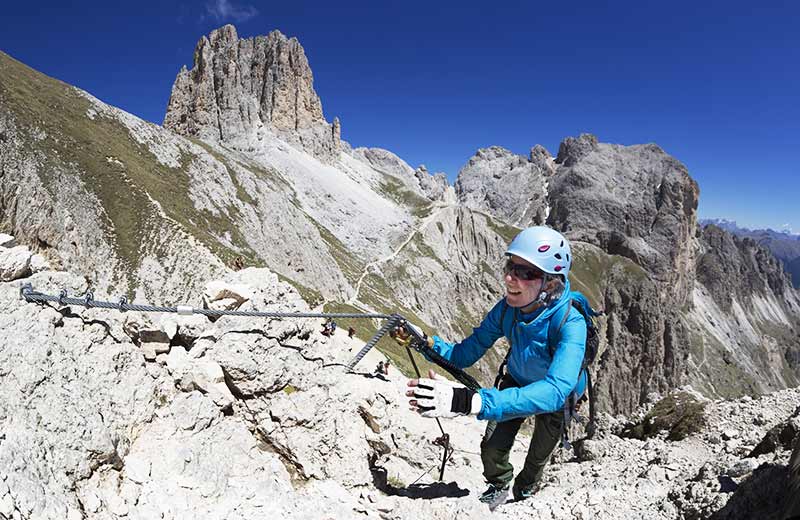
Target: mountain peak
[[238, 88]]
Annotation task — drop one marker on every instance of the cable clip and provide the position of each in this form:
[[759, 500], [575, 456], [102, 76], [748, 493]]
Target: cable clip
[[121, 305], [24, 290], [185, 310], [61, 296], [87, 299]]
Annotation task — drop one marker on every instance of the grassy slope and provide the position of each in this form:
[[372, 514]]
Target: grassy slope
[[73, 142]]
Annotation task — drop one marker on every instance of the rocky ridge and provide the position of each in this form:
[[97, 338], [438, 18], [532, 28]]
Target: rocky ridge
[[94, 426], [509, 186], [360, 229]]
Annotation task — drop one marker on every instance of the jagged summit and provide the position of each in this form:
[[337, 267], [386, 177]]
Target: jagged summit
[[237, 87]]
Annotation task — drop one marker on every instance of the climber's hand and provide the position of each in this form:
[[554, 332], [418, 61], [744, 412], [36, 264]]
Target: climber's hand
[[439, 397]]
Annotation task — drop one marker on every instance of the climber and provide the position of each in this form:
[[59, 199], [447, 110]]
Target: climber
[[537, 384], [327, 328]]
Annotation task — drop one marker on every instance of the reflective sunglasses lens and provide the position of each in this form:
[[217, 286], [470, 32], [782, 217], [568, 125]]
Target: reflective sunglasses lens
[[522, 272]]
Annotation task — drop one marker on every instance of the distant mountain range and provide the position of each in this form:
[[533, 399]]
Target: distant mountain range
[[783, 244]]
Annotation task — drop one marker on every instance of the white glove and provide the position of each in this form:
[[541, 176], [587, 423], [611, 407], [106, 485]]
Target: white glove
[[439, 397]]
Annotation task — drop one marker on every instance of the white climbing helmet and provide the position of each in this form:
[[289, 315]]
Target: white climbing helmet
[[545, 248]]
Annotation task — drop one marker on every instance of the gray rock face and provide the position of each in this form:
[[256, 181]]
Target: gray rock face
[[749, 314], [237, 86], [634, 201], [435, 186], [731, 267], [505, 185], [646, 345]]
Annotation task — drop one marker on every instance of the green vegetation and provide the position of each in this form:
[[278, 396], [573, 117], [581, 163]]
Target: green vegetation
[[506, 231], [395, 190], [53, 118], [681, 414], [289, 389], [591, 268]]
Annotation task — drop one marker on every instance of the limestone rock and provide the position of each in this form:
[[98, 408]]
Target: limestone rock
[[39, 263], [7, 241], [435, 186], [237, 86], [634, 201], [511, 187], [14, 263], [221, 296]]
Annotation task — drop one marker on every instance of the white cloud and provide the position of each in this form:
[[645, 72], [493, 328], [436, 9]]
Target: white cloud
[[224, 10]]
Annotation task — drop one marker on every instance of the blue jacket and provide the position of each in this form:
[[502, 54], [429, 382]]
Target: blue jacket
[[545, 381]]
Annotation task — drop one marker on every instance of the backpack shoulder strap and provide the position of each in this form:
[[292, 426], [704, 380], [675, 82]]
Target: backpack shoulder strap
[[553, 333], [503, 316], [502, 368]]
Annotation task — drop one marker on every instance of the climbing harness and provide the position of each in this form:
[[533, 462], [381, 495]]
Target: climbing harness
[[393, 322]]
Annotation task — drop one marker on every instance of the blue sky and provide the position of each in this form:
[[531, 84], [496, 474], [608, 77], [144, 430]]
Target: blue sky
[[716, 84]]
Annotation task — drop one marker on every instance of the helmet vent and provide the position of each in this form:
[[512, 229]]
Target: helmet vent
[[562, 244], [544, 248], [557, 255], [567, 257]]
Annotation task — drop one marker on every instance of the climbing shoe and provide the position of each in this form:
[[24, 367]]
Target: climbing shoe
[[521, 493], [494, 496]]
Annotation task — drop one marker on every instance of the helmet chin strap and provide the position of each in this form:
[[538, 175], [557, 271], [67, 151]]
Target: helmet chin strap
[[542, 298]]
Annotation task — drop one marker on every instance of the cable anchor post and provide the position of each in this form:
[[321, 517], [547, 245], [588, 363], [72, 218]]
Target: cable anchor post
[[444, 442], [123, 301], [61, 295], [87, 299]]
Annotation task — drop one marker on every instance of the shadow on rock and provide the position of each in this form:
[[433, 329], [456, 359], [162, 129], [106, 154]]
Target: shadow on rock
[[425, 491], [759, 496], [435, 490]]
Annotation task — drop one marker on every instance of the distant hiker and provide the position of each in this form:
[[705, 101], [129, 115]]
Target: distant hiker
[[351, 332], [238, 263], [379, 368], [386, 368], [547, 337], [326, 328], [333, 326]]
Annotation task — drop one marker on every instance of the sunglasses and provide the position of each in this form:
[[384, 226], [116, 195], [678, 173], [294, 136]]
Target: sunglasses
[[522, 272]]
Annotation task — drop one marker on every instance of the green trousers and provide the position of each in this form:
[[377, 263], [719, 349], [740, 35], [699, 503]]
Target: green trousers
[[499, 439]]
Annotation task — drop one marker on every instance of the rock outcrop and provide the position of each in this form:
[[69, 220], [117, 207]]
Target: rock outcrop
[[237, 87], [633, 201], [508, 186], [738, 268], [92, 428]]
